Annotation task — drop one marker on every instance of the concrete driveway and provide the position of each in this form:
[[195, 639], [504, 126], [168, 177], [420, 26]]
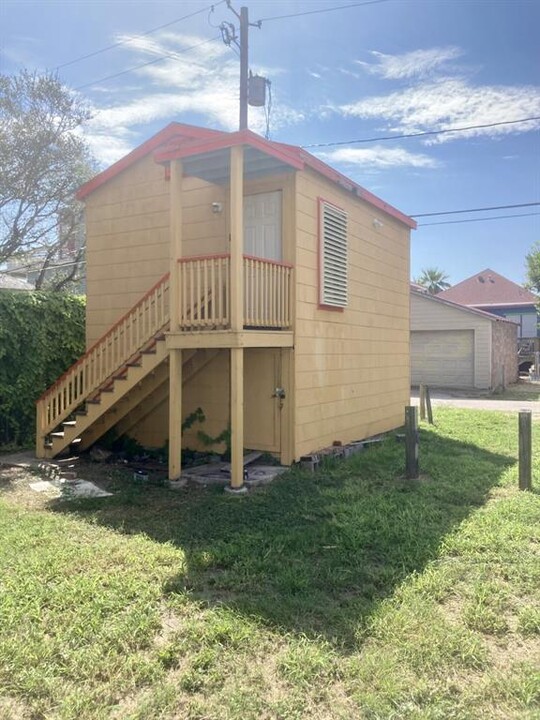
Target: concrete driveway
[[457, 399]]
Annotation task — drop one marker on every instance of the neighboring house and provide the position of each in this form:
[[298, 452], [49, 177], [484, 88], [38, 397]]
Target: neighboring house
[[290, 314], [457, 346], [10, 282], [487, 290]]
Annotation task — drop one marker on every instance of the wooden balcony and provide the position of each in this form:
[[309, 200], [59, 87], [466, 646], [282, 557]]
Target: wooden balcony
[[204, 302], [204, 294]]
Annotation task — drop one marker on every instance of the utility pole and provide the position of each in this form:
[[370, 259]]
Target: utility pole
[[244, 35], [228, 32]]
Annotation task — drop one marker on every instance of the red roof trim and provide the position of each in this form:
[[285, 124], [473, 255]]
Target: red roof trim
[[163, 136], [197, 141], [243, 137], [362, 193]]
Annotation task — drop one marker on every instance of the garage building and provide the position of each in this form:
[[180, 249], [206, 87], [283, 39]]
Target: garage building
[[457, 346]]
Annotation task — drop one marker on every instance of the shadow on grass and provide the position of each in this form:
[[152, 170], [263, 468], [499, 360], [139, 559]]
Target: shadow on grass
[[312, 554]]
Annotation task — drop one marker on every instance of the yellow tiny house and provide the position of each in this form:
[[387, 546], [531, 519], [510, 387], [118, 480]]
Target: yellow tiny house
[[278, 302]]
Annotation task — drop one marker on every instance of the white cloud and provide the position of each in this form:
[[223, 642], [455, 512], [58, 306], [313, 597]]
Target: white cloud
[[418, 63], [107, 148], [379, 157], [203, 81], [452, 102]]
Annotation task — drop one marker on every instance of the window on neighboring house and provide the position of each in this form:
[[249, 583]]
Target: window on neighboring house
[[333, 253]]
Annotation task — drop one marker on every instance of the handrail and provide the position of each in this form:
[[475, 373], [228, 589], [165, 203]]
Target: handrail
[[268, 261], [103, 337], [107, 355]]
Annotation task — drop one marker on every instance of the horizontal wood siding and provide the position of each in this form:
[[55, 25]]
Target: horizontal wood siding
[[209, 390], [128, 237], [428, 314], [351, 366]]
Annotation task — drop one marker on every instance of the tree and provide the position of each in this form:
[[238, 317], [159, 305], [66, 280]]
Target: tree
[[532, 260], [433, 279], [43, 160]]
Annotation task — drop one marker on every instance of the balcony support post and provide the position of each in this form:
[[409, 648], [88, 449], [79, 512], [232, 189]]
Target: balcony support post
[[237, 315], [175, 241], [237, 238], [175, 356]]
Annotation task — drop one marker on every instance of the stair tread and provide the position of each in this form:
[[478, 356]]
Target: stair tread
[[84, 418]]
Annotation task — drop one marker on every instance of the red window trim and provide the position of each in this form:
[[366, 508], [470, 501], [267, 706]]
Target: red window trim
[[320, 304]]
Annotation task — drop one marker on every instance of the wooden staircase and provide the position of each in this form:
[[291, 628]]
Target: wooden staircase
[[117, 382]]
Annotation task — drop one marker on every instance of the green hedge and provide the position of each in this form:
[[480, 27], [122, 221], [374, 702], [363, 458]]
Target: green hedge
[[41, 335]]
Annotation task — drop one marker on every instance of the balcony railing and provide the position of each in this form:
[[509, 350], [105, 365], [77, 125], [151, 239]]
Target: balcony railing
[[204, 293], [267, 293]]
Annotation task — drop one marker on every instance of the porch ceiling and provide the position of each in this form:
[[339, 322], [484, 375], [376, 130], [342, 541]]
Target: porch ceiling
[[214, 167]]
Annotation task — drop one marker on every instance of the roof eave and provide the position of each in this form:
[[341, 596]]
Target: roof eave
[[242, 137], [342, 180], [163, 136], [459, 306]]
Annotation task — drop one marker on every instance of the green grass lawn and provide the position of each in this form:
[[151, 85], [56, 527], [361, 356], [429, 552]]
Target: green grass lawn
[[351, 593]]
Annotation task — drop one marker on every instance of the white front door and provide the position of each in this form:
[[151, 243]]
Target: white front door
[[262, 225]]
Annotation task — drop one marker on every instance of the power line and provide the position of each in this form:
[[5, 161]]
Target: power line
[[210, 8], [150, 62], [493, 217], [37, 265], [322, 10], [482, 209], [420, 134]]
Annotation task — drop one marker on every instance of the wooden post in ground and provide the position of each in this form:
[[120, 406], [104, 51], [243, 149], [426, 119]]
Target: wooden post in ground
[[525, 450], [237, 419], [175, 356], [422, 396], [428, 405], [411, 442], [175, 414]]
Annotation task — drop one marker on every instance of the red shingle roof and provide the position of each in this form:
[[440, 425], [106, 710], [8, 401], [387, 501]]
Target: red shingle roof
[[488, 289]]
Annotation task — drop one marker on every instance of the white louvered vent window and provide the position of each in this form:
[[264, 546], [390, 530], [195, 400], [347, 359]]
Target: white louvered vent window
[[333, 256]]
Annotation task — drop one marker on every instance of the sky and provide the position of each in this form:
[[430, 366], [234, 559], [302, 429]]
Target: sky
[[385, 67]]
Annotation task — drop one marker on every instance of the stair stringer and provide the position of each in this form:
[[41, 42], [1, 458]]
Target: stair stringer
[[191, 367], [143, 398], [125, 405], [105, 398]]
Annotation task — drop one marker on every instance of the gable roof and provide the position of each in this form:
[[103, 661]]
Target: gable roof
[[488, 289], [458, 306], [178, 140]]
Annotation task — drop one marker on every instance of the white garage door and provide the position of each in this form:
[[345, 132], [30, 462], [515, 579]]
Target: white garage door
[[442, 357]]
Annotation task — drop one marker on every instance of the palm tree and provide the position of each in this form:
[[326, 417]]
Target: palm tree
[[433, 279]]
